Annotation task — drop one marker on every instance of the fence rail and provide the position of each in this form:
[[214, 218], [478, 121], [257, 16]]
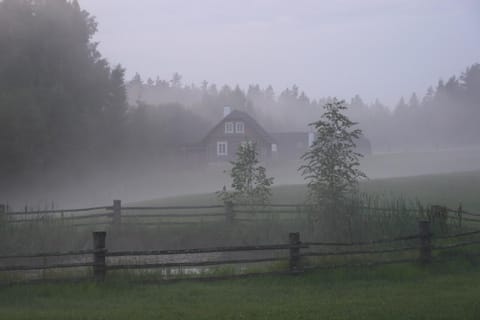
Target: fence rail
[[298, 254], [364, 243], [36, 212], [48, 254]]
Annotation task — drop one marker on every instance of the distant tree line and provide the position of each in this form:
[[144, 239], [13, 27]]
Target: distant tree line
[[445, 116]]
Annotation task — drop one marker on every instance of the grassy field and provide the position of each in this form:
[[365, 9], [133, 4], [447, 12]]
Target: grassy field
[[445, 189], [447, 291], [406, 291]]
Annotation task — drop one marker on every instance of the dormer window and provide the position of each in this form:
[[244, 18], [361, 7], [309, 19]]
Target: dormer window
[[228, 127], [239, 127]]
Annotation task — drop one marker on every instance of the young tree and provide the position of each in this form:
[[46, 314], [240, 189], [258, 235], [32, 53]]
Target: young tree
[[331, 164], [249, 180]]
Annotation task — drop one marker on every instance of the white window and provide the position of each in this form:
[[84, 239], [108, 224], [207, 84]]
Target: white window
[[228, 127], [222, 148], [274, 147], [239, 127]]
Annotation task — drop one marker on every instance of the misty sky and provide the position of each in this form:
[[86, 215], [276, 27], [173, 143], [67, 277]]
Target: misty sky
[[376, 48]]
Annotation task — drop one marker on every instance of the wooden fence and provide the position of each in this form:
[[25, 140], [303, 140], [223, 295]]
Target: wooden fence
[[299, 255], [116, 214]]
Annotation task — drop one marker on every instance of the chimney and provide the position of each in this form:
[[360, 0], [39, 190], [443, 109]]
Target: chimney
[[226, 111]]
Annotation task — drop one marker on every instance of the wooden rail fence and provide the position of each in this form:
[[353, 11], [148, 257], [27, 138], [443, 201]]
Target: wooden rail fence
[[229, 213], [103, 261]]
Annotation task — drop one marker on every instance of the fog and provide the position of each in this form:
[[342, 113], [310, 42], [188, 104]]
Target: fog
[[76, 129], [375, 48]]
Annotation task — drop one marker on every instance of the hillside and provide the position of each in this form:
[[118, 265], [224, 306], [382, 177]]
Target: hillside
[[446, 189]]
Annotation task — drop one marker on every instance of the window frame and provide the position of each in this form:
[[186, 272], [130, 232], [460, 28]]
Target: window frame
[[229, 125], [239, 124], [221, 152]]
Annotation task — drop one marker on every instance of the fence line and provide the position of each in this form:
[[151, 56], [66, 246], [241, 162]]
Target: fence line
[[230, 213], [363, 243], [458, 235], [58, 211], [88, 216], [101, 265], [457, 245], [205, 250], [263, 211], [48, 254], [174, 215], [45, 267], [357, 252], [174, 207], [162, 223]]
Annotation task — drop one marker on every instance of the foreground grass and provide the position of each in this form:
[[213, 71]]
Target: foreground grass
[[392, 292]]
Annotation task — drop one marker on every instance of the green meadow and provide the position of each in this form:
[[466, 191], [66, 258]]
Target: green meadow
[[446, 291], [448, 189]]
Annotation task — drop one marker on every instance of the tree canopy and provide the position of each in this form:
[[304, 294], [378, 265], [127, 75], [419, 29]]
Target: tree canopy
[[58, 97]]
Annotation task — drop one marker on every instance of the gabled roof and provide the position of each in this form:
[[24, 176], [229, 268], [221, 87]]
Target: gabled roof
[[236, 115]]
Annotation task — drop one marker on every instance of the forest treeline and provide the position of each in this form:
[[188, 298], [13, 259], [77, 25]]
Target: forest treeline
[[62, 105], [445, 116]]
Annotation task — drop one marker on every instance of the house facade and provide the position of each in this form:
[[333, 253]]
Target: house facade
[[237, 127]]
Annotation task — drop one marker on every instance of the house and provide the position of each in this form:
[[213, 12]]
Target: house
[[236, 127], [222, 141]]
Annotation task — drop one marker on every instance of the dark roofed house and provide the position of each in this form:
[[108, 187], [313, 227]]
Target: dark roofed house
[[236, 127], [222, 141]]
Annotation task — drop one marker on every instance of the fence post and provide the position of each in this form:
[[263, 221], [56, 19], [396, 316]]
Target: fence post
[[99, 266], [294, 259], [229, 213], [425, 242], [3, 211], [117, 212]]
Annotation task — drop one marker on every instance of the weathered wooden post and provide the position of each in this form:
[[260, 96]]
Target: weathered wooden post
[[117, 212], [229, 213], [425, 242], [3, 211], [99, 266], [294, 259]]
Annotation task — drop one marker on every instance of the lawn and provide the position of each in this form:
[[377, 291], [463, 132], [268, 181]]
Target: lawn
[[448, 291]]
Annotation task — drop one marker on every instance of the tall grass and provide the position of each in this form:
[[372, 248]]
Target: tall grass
[[366, 218]]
